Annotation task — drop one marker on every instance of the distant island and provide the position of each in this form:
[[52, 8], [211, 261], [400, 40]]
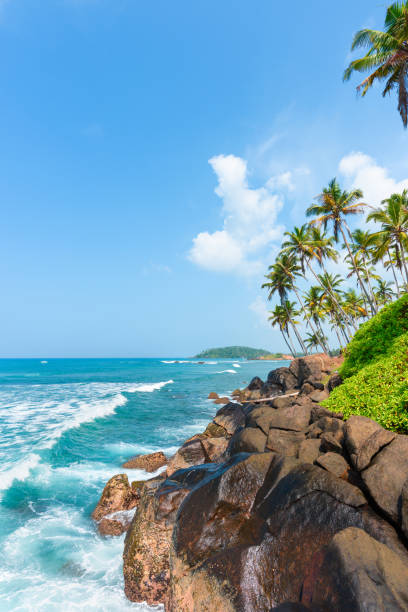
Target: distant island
[[239, 352]]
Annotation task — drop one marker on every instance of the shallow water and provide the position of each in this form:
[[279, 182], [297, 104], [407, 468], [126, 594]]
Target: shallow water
[[67, 425]]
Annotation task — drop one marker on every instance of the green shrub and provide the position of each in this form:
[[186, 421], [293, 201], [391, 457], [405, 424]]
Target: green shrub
[[376, 336], [375, 370]]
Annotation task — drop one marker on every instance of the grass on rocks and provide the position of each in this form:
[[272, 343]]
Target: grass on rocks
[[375, 371]]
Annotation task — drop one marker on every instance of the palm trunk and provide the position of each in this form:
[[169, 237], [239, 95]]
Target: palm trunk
[[291, 350], [360, 280], [299, 338], [331, 295], [308, 319], [394, 275], [404, 263]]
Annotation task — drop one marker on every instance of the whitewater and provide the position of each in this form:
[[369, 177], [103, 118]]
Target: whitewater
[[66, 428]]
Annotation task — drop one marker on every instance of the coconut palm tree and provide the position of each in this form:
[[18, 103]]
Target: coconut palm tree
[[384, 292], [279, 317], [353, 304], [363, 243], [387, 56], [304, 245], [394, 229], [332, 207], [280, 282], [314, 340], [313, 299]]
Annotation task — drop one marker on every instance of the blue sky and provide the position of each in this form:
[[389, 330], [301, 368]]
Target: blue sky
[[152, 154]]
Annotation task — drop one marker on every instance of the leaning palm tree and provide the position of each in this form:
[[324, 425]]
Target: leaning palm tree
[[353, 304], [387, 56], [280, 282], [394, 229], [362, 247], [279, 317], [332, 207], [313, 299], [313, 341]]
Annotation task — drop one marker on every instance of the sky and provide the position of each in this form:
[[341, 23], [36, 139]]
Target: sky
[[153, 153]]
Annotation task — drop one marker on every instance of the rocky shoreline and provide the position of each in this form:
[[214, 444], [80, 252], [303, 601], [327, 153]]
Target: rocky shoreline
[[278, 505]]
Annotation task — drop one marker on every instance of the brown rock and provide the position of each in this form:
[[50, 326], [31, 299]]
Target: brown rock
[[213, 395], [357, 572], [222, 400], [334, 381], [214, 448], [364, 438], [283, 402], [261, 416], [110, 527], [386, 476], [284, 442], [117, 496], [334, 463], [231, 417], [191, 453], [295, 418], [255, 384], [282, 378], [318, 396], [248, 440], [309, 450], [329, 443], [404, 509], [147, 544], [213, 431], [150, 463]]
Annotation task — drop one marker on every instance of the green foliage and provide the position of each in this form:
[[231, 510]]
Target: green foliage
[[376, 370], [375, 337], [233, 352]]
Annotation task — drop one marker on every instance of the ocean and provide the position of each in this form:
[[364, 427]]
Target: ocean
[[67, 425]]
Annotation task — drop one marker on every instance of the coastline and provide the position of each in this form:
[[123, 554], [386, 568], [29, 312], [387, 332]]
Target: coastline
[[226, 490]]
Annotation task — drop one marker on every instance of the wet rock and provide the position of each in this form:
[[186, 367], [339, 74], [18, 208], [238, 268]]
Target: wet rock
[[213, 395], [149, 463], [364, 438], [309, 450], [385, 477], [248, 440], [284, 442], [334, 463], [215, 515], [116, 523], [357, 572], [222, 400], [117, 496], [231, 417], [295, 418], [255, 384], [191, 453], [146, 564]]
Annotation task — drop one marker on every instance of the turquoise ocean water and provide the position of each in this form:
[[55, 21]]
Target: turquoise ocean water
[[66, 427]]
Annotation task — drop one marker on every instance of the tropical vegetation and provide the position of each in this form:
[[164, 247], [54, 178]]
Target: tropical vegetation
[[235, 352]]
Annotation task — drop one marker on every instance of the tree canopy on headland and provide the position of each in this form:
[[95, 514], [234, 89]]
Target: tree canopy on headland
[[236, 352]]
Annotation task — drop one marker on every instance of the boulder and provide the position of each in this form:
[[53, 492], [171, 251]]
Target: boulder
[[213, 395], [327, 425], [117, 496], [214, 449], [270, 390], [146, 564], [255, 384], [334, 463], [334, 381], [404, 509], [191, 453], [282, 378], [213, 431], [284, 402], [307, 368], [284, 442], [261, 417], [215, 513], [318, 412], [149, 463], [356, 572], [231, 417], [364, 438], [330, 444], [222, 400], [248, 440], [309, 450], [295, 418], [318, 396], [385, 477]]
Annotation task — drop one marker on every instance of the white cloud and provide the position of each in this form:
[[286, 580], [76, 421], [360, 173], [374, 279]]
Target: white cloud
[[364, 173], [249, 220]]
